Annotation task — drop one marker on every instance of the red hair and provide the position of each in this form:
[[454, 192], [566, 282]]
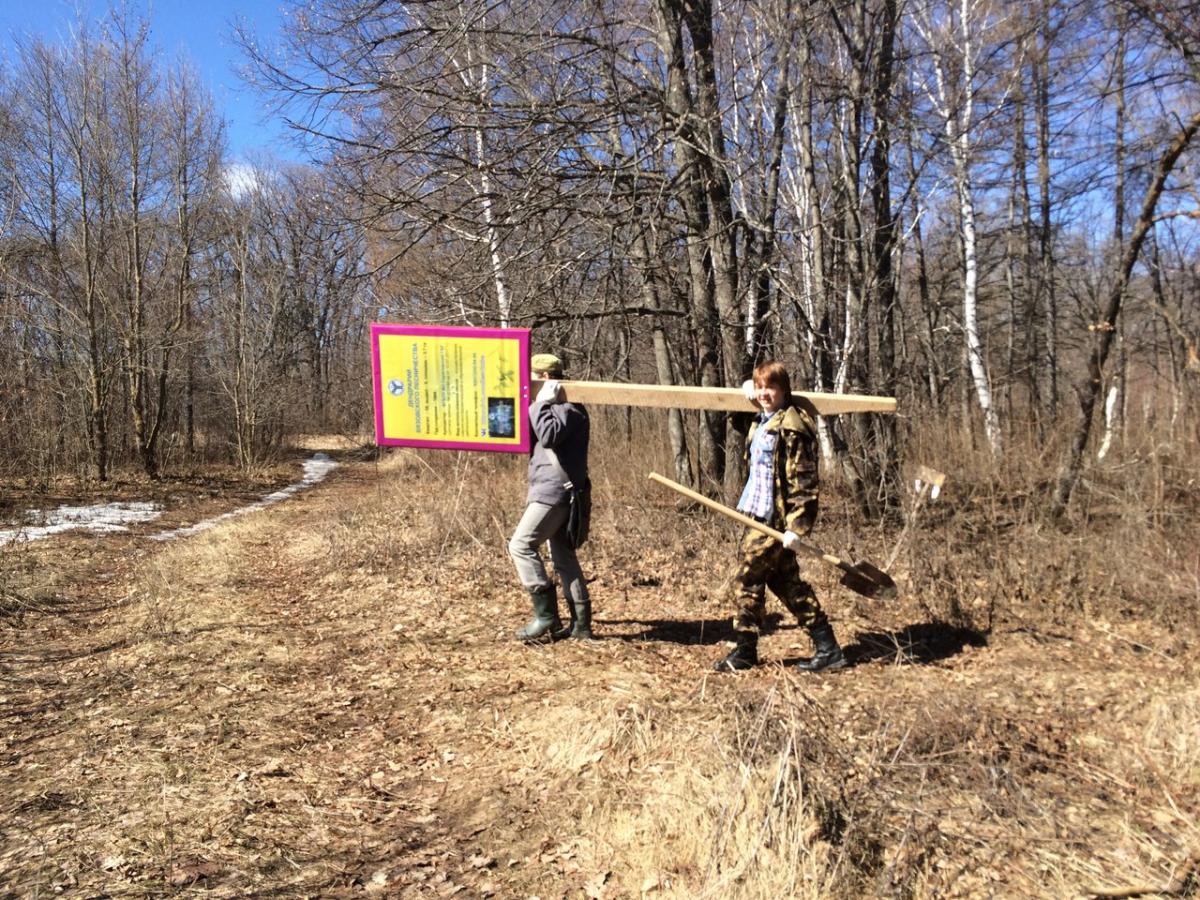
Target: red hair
[[773, 373]]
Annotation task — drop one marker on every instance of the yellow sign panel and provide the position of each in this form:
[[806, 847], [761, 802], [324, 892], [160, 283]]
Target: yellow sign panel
[[457, 388]]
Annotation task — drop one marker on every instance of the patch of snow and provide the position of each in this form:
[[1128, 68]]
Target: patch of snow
[[99, 518], [112, 517], [315, 470]]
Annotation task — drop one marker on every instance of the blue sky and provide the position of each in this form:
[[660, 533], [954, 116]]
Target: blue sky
[[198, 30]]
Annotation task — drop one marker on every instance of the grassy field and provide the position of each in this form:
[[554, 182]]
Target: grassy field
[[323, 699]]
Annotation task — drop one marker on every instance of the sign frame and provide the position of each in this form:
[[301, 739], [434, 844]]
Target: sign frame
[[450, 336]]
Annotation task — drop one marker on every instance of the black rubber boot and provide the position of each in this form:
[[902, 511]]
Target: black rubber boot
[[743, 656], [828, 654], [580, 626], [545, 619]]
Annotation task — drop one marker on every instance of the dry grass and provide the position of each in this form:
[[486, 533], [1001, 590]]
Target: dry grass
[[323, 699]]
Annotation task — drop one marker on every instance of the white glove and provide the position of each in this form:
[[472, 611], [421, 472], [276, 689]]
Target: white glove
[[792, 541], [548, 393], [750, 391]]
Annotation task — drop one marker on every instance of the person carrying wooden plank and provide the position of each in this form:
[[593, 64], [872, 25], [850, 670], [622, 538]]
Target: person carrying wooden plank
[[781, 491], [558, 463]]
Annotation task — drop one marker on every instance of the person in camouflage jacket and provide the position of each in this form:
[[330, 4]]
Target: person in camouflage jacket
[[781, 491]]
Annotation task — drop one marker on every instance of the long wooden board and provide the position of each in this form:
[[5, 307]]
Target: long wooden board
[[671, 396]]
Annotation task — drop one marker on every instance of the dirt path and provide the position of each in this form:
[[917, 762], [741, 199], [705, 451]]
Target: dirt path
[[323, 700]]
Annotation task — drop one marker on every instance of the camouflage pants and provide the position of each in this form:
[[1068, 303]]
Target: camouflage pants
[[764, 563]]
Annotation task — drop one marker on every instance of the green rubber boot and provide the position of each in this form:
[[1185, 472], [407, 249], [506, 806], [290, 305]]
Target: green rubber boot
[[580, 626], [545, 619]]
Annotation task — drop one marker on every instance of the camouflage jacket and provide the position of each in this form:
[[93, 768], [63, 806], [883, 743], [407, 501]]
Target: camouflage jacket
[[795, 468]]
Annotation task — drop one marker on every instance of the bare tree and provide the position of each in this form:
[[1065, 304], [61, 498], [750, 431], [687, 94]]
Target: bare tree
[[1181, 36], [136, 192], [956, 35], [194, 151], [77, 147]]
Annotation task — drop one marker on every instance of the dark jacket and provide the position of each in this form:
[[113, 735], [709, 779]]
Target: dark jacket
[[795, 469], [566, 428]]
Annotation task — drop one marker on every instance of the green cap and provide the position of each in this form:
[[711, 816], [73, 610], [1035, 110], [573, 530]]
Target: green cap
[[546, 362]]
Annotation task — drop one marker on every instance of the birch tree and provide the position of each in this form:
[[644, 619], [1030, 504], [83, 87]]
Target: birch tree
[[956, 33]]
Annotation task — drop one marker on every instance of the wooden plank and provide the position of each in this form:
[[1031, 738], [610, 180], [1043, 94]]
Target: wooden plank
[[673, 396]]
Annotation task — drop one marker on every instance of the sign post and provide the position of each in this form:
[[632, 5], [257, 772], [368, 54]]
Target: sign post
[[451, 387]]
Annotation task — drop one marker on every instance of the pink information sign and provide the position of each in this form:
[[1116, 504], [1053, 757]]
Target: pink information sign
[[451, 387]]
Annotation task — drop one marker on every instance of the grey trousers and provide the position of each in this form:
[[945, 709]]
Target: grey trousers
[[539, 524]]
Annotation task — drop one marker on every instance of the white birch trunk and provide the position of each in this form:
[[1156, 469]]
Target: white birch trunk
[[843, 369], [503, 301], [801, 202], [1110, 408], [958, 124], [979, 375]]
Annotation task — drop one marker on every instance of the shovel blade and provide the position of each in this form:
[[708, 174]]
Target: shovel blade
[[864, 578]]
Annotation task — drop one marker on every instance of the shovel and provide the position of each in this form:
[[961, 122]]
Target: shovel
[[928, 484], [862, 578]]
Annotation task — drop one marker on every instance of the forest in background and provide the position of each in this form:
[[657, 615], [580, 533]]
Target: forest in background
[[987, 211]]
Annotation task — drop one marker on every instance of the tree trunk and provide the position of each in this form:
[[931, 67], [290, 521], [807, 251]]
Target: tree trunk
[[703, 277], [1031, 358], [1046, 275], [958, 134], [814, 299], [883, 247], [1114, 416], [719, 239]]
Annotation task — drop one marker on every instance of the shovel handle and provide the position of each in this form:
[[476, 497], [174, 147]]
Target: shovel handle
[[740, 517]]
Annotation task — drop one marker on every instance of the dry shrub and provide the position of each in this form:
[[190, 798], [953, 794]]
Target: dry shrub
[[1172, 724], [770, 796], [1135, 778], [14, 596], [30, 581], [986, 554], [953, 788], [694, 804], [470, 500]]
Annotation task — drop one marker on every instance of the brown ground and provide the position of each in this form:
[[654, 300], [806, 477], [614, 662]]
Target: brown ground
[[323, 699]]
